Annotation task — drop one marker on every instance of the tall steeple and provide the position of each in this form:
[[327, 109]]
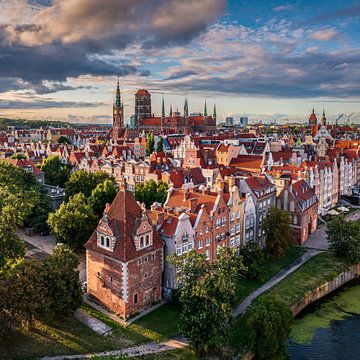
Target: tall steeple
[[205, 109], [118, 97], [186, 108], [118, 115], [323, 118], [214, 114], [171, 113], [163, 109]]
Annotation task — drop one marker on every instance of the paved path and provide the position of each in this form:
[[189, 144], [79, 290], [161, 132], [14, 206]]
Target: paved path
[[94, 324], [319, 241], [241, 308], [145, 349], [39, 247]]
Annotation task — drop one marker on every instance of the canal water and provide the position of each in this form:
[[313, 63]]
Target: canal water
[[330, 331]]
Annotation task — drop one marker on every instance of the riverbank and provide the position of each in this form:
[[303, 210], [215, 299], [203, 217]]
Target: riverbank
[[321, 269], [330, 330]]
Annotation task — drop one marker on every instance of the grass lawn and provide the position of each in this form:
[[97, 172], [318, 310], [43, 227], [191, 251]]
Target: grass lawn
[[246, 286], [64, 337], [69, 336], [162, 321], [312, 274]]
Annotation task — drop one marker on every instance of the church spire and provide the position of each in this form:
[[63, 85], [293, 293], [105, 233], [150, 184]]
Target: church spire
[[186, 108], [205, 109], [163, 108], [323, 118], [171, 110], [118, 97], [214, 115]]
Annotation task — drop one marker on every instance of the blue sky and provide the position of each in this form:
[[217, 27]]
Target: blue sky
[[265, 59]]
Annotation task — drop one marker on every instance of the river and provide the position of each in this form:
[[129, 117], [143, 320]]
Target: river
[[330, 331]]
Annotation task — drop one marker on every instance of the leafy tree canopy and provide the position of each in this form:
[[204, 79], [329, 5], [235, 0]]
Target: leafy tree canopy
[[277, 228], [56, 174], [84, 182], [103, 193], [344, 238], [206, 293], [151, 192], [74, 221]]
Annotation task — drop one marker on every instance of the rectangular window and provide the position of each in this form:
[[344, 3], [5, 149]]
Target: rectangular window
[[207, 254], [207, 243], [135, 298], [200, 244]]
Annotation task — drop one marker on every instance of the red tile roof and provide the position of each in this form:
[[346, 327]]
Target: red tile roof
[[123, 216]]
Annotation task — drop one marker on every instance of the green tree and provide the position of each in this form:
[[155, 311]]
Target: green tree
[[160, 145], [206, 293], [277, 229], [254, 260], [344, 238], [37, 289], [18, 156], [269, 321], [62, 277], [151, 192], [83, 181], [64, 140], [103, 193], [56, 173], [74, 221], [18, 197], [150, 143]]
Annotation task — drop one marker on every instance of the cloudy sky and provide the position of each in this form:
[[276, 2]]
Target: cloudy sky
[[269, 60]]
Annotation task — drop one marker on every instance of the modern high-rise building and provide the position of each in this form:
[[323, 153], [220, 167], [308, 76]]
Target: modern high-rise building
[[244, 121]]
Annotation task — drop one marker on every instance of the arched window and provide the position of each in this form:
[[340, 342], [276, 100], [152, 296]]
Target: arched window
[[147, 240], [107, 242], [141, 241], [102, 240]]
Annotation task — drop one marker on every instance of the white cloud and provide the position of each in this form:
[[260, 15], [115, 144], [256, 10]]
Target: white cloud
[[324, 34]]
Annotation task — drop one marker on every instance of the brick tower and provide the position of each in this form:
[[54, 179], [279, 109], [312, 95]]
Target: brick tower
[[142, 105], [118, 115]]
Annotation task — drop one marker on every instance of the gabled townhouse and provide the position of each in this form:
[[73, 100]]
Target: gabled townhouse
[[215, 204], [249, 220], [124, 258], [236, 216], [225, 153], [178, 235], [302, 204], [263, 192]]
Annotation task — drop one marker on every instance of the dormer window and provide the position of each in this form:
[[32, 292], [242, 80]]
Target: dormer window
[[144, 241], [185, 236], [105, 241]]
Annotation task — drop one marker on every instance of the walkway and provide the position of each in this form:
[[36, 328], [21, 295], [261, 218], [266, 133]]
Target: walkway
[[140, 350], [318, 239], [241, 308]]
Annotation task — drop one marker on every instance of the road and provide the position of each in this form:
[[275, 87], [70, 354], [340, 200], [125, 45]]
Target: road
[[39, 247]]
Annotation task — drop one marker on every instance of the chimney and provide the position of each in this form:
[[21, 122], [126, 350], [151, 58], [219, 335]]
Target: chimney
[[107, 207]]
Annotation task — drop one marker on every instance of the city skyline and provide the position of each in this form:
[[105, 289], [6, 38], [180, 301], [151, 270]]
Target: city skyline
[[270, 60]]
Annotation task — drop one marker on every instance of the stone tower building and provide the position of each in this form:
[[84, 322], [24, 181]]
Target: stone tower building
[[142, 105], [118, 115]]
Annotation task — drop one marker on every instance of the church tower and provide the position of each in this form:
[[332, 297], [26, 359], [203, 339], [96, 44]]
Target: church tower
[[118, 115], [142, 106], [312, 118], [323, 118]]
